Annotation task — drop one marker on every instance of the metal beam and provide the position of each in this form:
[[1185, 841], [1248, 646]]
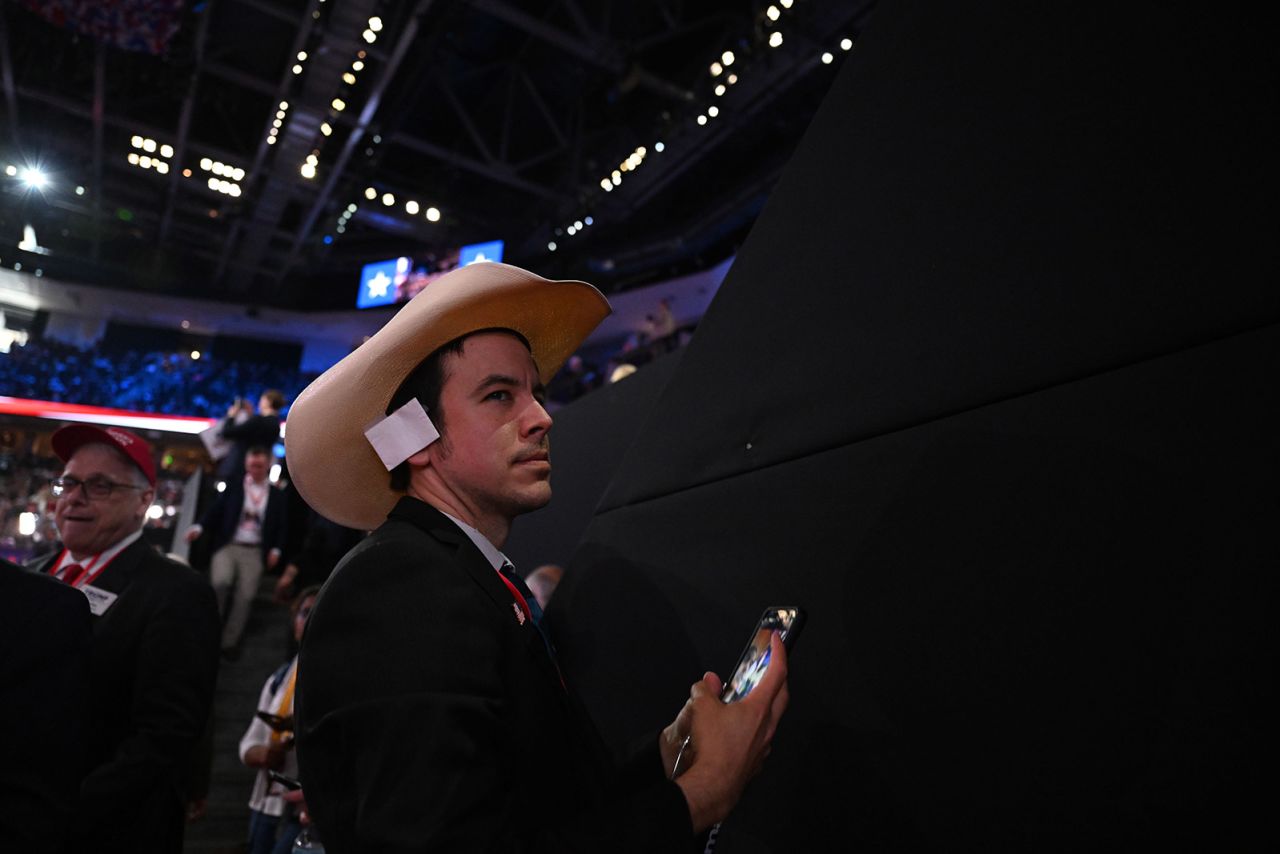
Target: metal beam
[[571, 44], [184, 126], [501, 173], [98, 111], [6, 71], [407, 34]]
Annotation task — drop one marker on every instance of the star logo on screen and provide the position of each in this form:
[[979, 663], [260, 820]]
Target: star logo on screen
[[378, 285], [479, 257]]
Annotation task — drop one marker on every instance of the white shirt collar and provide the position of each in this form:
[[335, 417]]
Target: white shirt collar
[[105, 556], [490, 552]]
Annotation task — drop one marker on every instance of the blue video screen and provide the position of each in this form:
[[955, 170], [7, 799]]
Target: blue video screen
[[399, 280]]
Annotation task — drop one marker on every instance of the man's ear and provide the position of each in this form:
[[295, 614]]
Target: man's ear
[[421, 458]]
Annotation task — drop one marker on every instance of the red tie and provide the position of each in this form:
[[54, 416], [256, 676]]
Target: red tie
[[71, 573]]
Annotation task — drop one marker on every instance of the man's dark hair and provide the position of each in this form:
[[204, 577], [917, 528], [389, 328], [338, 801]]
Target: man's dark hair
[[425, 383], [255, 450], [275, 398]]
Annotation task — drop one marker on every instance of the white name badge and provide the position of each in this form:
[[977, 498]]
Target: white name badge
[[99, 600]]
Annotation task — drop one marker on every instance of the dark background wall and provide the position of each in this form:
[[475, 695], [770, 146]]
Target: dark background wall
[[990, 391]]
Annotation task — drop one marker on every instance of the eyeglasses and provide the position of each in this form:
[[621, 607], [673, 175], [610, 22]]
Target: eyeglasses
[[94, 487]]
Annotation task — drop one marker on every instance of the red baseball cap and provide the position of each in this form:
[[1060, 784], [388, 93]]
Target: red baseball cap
[[67, 440]]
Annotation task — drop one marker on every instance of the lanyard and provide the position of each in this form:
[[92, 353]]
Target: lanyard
[[91, 572]]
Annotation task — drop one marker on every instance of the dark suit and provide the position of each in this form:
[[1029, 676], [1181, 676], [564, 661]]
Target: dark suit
[[431, 719], [154, 661], [263, 430], [223, 517], [44, 690]]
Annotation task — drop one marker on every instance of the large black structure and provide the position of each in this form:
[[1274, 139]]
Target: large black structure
[[990, 390]]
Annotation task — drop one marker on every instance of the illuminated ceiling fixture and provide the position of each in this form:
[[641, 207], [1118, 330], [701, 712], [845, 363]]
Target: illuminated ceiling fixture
[[339, 104], [297, 69], [775, 39], [846, 44], [411, 207], [388, 199], [827, 58], [786, 4], [716, 69], [375, 24], [308, 170], [33, 177], [370, 193], [433, 214], [772, 13], [713, 111], [702, 120], [732, 78], [370, 36], [552, 246], [326, 128], [659, 147], [727, 58], [348, 78], [720, 90], [357, 66], [302, 56], [606, 184]]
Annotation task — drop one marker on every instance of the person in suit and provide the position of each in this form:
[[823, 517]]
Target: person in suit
[[154, 651], [248, 429], [44, 690], [248, 525], [431, 714]]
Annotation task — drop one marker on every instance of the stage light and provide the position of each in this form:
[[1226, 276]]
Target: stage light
[[713, 111], [195, 354], [271, 140], [732, 78], [133, 158], [348, 78], [80, 190], [339, 104], [786, 4], [148, 145], [237, 174], [206, 164], [589, 221], [388, 199], [727, 58], [772, 13], [775, 39], [34, 178], [284, 105], [135, 141], [659, 147], [166, 151], [297, 69], [213, 183], [433, 214], [571, 231], [357, 66], [326, 128], [606, 184], [411, 207], [577, 225], [846, 44], [308, 170], [370, 36], [11, 170], [552, 246], [375, 24], [827, 58], [162, 167], [702, 120], [617, 177], [716, 69], [720, 90], [370, 193], [302, 56]]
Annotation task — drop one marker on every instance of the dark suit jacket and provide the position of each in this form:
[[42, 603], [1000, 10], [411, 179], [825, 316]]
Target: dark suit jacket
[[44, 690], [431, 719], [261, 430], [154, 661], [223, 517]]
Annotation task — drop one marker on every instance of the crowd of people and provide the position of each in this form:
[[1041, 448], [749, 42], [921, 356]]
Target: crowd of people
[[156, 382]]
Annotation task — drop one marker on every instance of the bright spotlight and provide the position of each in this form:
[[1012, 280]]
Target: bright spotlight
[[727, 58], [827, 58], [375, 24], [411, 207], [846, 44], [775, 39], [388, 199], [370, 193], [433, 214], [195, 355], [34, 178]]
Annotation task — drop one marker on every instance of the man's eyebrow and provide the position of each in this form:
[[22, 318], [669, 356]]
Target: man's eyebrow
[[496, 379]]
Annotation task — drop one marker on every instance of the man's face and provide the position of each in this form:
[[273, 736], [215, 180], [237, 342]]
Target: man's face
[[256, 466], [91, 525], [495, 451]]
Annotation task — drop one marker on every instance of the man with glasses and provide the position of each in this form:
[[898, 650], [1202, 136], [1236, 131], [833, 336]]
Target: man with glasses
[[154, 654]]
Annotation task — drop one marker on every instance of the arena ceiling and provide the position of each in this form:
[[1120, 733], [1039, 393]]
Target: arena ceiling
[[262, 151]]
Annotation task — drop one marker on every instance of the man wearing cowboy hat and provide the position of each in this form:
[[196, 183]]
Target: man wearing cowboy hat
[[154, 651], [431, 714]]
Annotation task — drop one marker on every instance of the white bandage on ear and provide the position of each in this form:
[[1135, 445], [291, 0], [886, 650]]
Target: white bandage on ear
[[402, 434]]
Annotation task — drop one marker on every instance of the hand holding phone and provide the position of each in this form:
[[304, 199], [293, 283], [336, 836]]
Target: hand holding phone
[[787, 621]]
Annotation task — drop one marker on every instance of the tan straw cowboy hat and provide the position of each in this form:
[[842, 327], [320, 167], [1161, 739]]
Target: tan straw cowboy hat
[[335, 468]]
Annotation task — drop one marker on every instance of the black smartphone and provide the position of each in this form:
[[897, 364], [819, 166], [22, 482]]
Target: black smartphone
[[288, 782], [279, 723], [788, 621]]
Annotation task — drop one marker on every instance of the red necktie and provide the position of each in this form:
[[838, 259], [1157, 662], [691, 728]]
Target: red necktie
[[70, 573]]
